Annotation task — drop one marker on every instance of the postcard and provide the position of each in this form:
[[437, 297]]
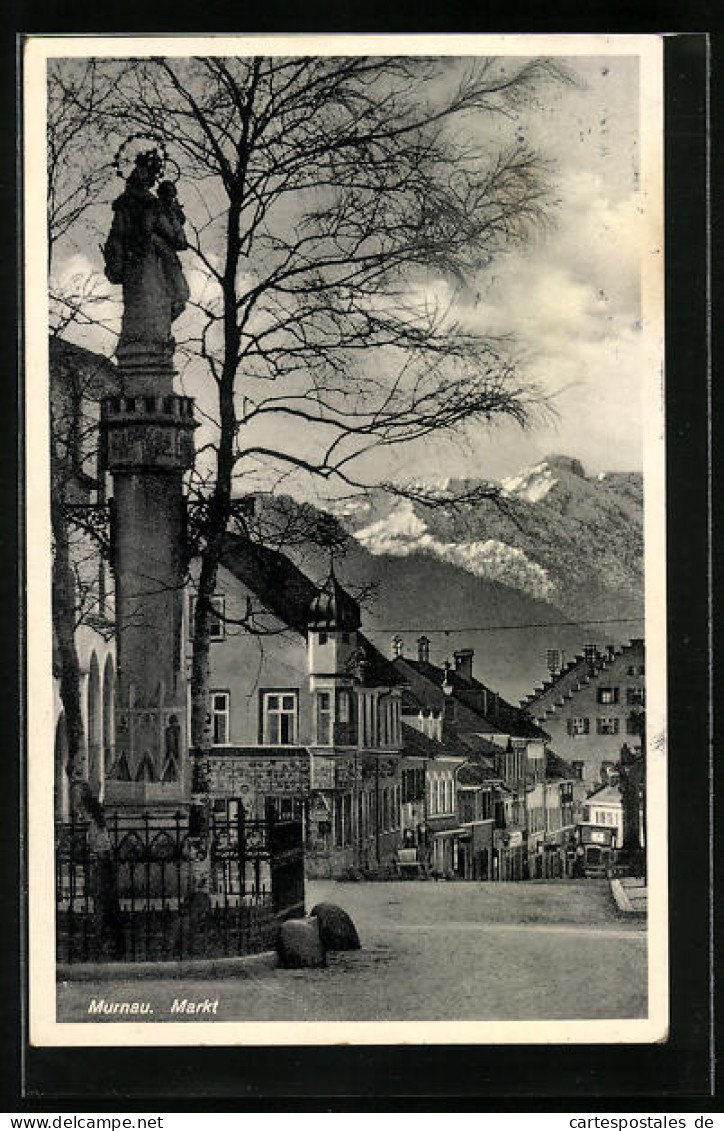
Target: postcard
[[346, 539]]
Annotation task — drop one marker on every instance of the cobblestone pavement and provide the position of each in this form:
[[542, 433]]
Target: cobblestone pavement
[[433, 951]]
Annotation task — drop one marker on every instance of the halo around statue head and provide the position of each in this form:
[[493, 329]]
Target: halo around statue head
[[147, 149]]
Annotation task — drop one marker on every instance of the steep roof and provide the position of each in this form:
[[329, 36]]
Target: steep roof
[[92, 373], [475, 770], [580, 668], [478, 745], [477, 773], [557, 767], [496, 713], [605, 795], [420, 745], [290, 594]]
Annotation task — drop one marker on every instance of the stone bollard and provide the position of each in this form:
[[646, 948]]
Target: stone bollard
[[299, 944], [336, 929]]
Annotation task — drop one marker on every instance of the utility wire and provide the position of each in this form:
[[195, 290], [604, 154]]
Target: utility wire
[[507, 627]]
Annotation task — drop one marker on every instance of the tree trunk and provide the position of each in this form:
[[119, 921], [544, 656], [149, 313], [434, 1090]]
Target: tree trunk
[[220, 503]]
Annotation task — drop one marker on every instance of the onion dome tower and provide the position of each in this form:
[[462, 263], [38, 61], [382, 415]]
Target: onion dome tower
[[333, 654]]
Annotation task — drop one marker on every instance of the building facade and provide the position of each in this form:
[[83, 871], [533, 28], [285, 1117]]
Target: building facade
[[305, 712], [592, 707], [497, 800]]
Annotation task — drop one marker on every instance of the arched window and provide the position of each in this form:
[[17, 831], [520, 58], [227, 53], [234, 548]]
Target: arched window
[[93, 723], [62, 808], [109, 697]]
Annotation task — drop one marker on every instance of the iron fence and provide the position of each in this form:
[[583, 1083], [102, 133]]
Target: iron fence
[[145, 888]]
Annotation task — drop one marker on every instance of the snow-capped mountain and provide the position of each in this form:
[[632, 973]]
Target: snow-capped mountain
[[557, 555], [403, 533], [556, 534]]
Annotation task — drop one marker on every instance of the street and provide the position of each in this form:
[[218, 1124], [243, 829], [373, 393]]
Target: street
[[431, 951]]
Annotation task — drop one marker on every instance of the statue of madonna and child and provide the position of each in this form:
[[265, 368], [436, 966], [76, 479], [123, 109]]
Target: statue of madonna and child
[[141, 253]]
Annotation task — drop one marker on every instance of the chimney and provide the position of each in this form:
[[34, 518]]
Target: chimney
[[464, 663], [396, 647], [423, 650]]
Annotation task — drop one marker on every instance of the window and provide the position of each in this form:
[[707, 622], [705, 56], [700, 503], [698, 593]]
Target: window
[[607, 726], [323, 638], [634, 724], [284, 808], [635, 696], [280, 718], [217, 627], [635, 669], [343, 706], [578, 769], [220, 717], [607, 695], [367, 717], [396, 721], [579, 726], [324, 718]]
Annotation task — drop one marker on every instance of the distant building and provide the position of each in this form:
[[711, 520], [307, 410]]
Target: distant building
[[592, 707], [604, 809], [79, 379], [496, 799]]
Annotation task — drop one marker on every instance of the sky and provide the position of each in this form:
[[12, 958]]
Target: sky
[[571, 297]]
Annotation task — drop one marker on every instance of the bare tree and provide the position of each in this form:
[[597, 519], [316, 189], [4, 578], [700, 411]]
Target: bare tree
[[328, 200]]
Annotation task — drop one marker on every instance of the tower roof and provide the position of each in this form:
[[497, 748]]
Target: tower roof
[[332, 607]]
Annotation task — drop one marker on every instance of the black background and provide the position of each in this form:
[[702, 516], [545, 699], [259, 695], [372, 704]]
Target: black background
[[667, 1077]]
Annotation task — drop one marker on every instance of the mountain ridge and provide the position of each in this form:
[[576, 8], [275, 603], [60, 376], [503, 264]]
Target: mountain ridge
[[555, 562]]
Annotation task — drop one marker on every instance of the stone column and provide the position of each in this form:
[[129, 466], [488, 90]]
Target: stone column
[[148, 444]]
